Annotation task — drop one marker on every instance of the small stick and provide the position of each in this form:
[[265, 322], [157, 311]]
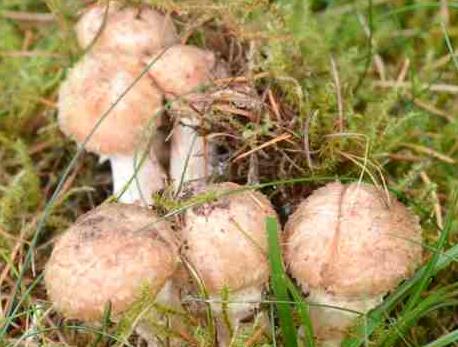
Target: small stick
[[225, 80], [440, 87], [402, 74], [444, 12], [255, 337], [307, 140], [274, 105], [282, 137], [429, 151], [30, 54], [335, 75], [28, 16], [432, 109], [436, 202]]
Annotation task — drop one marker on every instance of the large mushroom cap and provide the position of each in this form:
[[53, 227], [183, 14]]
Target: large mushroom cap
[[109, 255], [182, 69], [90, 89], [225, 240], [129, 30], [349, 240]]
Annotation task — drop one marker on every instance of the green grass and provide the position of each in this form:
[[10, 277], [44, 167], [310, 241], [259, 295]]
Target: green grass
[[365, 90]]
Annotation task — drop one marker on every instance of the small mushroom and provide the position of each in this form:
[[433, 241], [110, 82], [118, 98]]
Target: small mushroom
[[135, 31], [124, 136], [225, 242], [110, 256], [183, 72], [348, 246]]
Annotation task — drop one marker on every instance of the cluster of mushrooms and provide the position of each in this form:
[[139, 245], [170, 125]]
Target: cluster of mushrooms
[[346, 245]]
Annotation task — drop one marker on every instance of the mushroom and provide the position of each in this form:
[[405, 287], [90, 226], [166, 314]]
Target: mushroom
[[225, 242], [90, 90], [111, 255], [135, 31], [182, 72], [348, 246]]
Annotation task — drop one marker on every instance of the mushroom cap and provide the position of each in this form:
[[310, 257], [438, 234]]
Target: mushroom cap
[[128, 30], [109, 255], [181, 69], [346, 240], [90, 89], [225, 240]]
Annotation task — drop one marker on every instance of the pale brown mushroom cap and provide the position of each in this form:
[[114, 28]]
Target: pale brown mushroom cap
[[225, 240], [182, 69], [109, 255], [129, 30], [89, 90], [345, 240]]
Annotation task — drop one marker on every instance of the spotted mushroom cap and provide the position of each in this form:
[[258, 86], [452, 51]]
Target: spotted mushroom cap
[[135, 31], [109, 255], [90, 89], [181, 69], [349, 240], [225, 240]]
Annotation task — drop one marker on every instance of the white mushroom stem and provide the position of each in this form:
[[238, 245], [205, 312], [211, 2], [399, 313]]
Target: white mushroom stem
[[240, 305], [333, 315], [136, 177], [188, 150], [167, 297]]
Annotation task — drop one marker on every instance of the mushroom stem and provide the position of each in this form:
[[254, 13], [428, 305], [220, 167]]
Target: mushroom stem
[[168, 296], [188, 150], [136, 177], [229, 314], [333, 315]]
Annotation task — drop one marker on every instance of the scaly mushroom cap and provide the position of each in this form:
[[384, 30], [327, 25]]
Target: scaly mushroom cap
[[89, 90], [225, 240], [129, 30], [345, 240], [181, 69], [109, 255]]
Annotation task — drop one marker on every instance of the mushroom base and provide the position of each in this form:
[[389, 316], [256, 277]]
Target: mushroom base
[[241, 305], [137, 177], [169, 298], [331, 323]]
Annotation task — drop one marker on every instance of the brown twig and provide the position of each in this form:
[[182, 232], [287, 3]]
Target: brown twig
[[432, 109], [274, 104], [335, 75], [30, 54], [28, 16], [436, 202], [439, 87], [308, 155], [257, 335], [282, 137], [431, 152], [403, 72]]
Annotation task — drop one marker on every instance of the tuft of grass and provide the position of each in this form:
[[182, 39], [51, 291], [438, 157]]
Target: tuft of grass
[[279, 285]]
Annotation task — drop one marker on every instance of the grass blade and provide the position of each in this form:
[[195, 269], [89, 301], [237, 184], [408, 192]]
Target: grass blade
[[445, 340], [363, 330], [279, 285], [428, 272], [303, 312]]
